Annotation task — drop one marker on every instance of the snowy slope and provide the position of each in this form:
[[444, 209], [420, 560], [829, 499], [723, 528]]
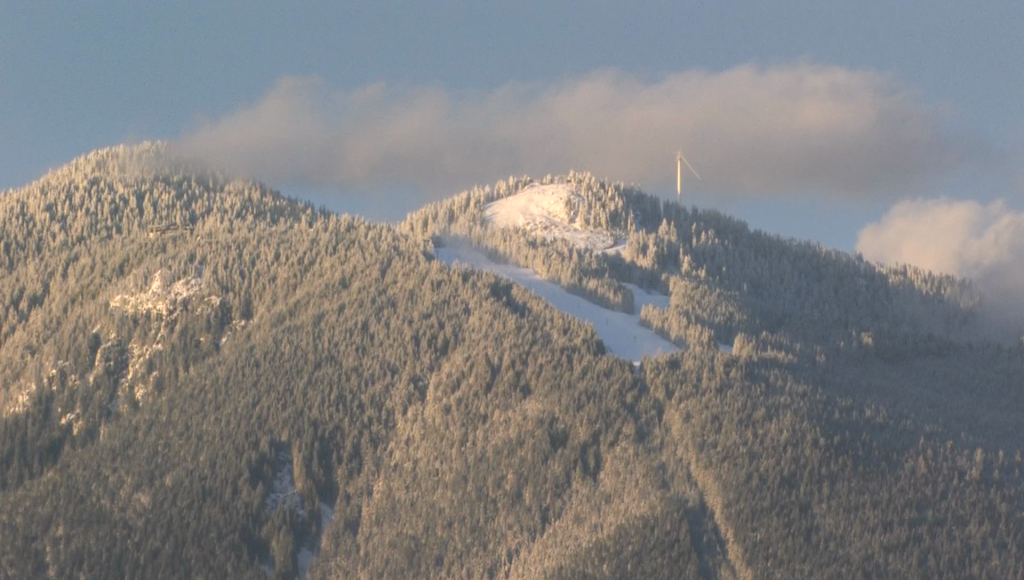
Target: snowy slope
[[283, 493], [621, 333], [540, 210]]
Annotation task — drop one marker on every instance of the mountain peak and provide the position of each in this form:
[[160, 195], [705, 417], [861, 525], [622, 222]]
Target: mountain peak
[[133, 160], [550, 211]]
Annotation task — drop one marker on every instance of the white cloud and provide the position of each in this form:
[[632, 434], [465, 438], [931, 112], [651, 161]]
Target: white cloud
[[793, 129], [964, 238]]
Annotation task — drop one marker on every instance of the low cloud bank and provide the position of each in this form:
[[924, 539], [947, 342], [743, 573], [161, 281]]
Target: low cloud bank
[[964, 238], [750, 131]]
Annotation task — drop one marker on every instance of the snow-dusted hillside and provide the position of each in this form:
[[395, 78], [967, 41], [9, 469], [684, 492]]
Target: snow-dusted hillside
[[542, 210], [622, 333]]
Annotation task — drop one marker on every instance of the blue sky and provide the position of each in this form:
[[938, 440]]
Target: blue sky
[[77, 76]]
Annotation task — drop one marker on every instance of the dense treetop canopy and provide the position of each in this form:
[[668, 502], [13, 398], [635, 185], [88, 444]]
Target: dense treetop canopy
[[202, 378]]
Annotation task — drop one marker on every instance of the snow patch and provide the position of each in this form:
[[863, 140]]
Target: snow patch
[[617, 249], [21, 399], [283, 493], [282, 489], [309, 551], [166, 298], [326, 515], [140, 356], [73, 420], [235, 326], [163, 296], [621, 333], [726, 348], [543, 211], [304, 558]]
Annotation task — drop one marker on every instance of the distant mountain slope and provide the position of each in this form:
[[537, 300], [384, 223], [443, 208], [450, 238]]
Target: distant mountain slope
[[716, 263], [893, 355], [168, 373], [202, 378]]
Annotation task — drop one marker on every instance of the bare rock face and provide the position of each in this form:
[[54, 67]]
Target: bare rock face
[[163, 297]]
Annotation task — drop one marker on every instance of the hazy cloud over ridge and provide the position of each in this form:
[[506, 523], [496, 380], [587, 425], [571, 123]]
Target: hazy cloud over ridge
[[964, 238], [799, 128]]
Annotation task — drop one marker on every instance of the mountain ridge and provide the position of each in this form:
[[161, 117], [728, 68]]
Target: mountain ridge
[[456, 424]]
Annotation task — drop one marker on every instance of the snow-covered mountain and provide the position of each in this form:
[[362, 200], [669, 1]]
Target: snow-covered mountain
[[458, 424]]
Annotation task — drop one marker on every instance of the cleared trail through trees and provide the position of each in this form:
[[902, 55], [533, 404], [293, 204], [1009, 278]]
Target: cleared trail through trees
[[622, 333]]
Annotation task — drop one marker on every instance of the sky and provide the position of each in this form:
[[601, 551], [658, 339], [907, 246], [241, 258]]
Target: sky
[[825, 121]]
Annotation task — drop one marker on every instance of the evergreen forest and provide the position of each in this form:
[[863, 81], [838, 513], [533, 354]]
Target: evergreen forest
[[202, 378]]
